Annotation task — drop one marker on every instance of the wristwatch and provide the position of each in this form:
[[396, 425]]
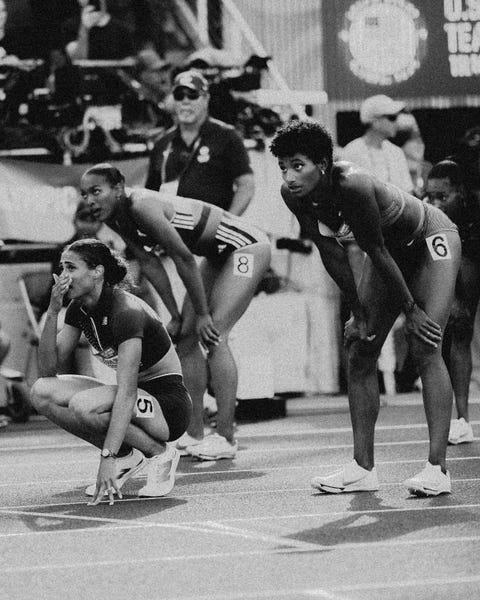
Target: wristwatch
[[106, 453]]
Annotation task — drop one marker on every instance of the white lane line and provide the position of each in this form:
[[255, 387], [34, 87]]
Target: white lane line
[[124, 524], [407, 583], [184, 475], [225, 529], [242, 439], [332, 593], [249, 451], [195, 527], [296, 593], [224, 493], [228, 555]]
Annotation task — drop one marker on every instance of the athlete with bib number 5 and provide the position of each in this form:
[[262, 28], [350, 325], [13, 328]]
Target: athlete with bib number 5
[[219, 290], [413, 255], [131, 421]]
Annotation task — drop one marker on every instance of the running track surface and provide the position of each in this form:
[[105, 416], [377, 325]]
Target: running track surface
[[251, 528]]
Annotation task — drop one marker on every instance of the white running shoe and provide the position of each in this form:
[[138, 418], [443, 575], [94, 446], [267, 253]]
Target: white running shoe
[[213, 447], [185, 441], [429, 482], [352, 478], [161, 473], [127, 467], [460, 432]]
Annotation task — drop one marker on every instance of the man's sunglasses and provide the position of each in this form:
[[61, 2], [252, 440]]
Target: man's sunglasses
[[180, 94], [391, 118]]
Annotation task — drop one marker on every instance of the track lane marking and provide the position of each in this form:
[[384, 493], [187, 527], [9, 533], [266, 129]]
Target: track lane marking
[[240, 553], [322, 430], [153, 524], [186, 474]]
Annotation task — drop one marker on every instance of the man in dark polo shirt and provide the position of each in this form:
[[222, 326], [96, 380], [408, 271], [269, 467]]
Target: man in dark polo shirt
[[201, 157], [97, 35]]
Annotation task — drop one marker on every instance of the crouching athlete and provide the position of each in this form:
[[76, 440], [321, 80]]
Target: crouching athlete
[[132, 421]]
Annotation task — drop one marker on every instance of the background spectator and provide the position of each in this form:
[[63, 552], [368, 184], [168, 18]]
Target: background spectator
[[64, 79], [154, 76], [99, 35], [373, 150], [201, 157]]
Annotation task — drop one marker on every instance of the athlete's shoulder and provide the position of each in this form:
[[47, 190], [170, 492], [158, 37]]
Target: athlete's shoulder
[[347, 175], [125, 307], [142, 201], [124, 300]]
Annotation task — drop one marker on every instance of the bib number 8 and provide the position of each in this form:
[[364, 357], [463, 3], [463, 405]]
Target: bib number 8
[[438, 247], [243, 265]]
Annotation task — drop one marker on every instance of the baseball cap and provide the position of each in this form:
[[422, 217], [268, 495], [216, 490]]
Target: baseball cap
[[377, 106], [192, 80]]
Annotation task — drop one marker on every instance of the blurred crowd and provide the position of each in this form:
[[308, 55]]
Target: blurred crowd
[[91, 79]]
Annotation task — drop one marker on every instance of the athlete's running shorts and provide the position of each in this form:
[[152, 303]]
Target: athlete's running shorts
[[174, 400], [408, 254]]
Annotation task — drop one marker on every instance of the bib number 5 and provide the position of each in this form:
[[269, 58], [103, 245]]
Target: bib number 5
[[145, 407], [438, 247]]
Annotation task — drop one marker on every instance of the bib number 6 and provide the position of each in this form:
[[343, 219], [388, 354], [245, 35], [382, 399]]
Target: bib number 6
[[438, 247]]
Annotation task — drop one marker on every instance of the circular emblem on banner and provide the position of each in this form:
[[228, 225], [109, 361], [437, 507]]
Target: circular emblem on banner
[[385, 40]]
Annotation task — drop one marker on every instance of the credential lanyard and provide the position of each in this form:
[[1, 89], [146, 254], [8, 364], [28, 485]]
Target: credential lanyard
[[168, 151]]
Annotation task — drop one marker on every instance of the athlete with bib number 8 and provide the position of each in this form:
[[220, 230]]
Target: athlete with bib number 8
[[130, 421], [413, 255], [235, 257]]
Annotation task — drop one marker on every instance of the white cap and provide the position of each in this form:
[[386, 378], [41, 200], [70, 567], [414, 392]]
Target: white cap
[[377, 106]]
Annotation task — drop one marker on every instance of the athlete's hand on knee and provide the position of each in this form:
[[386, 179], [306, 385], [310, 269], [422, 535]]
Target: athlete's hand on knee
[[207, 331], [106, 482], [356, 329], [420, 324], [59, 289]]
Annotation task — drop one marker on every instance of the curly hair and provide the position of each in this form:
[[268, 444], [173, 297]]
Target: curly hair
[[303, 137]]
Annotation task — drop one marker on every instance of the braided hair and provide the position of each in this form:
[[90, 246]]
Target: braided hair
[[113, 175]]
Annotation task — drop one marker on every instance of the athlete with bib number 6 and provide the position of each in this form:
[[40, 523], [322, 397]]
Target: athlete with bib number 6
[[413, 255], [219, 290], [131, 421]]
